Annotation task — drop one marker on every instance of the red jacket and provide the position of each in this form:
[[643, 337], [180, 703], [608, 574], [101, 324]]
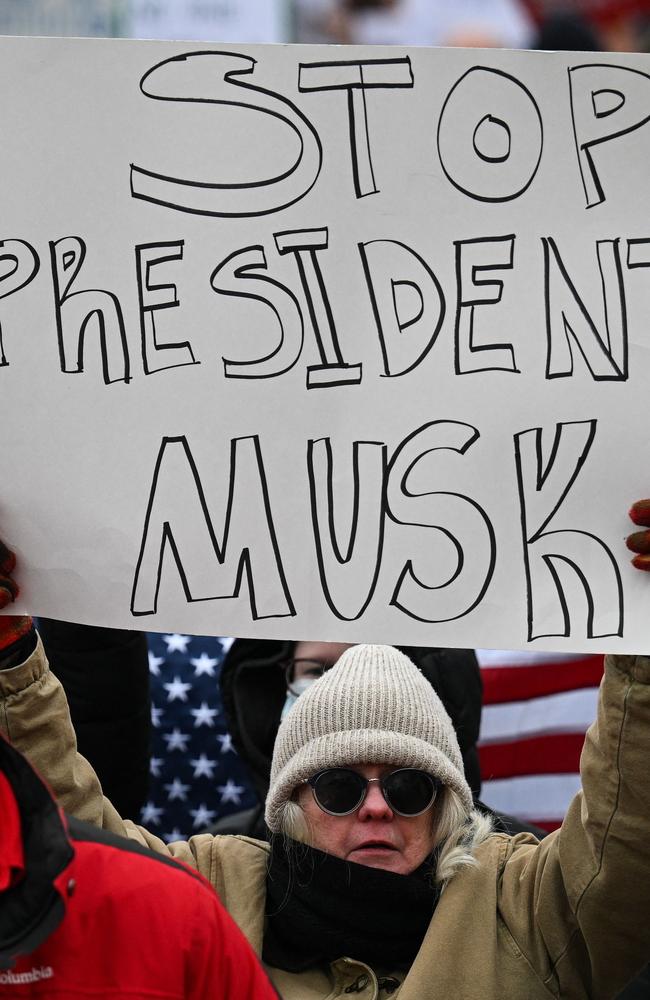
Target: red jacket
[[84, 913]]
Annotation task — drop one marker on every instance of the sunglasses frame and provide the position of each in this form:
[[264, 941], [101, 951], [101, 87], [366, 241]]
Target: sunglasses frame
[[435, 788]]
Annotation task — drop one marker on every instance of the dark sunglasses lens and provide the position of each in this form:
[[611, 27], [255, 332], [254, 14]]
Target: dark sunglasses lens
[[339, 791], [409, 792]]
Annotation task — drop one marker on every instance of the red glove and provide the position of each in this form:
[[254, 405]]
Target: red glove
[[639, 541], [13, 628]]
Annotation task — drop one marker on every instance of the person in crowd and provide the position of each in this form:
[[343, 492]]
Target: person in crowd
[[566, 31], [95, 665], [469, 23], [261, 679], [85, 913], [382, 878]]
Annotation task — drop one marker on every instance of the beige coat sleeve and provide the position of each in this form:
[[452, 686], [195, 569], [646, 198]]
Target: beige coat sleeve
[[34, 715], [578, 904]]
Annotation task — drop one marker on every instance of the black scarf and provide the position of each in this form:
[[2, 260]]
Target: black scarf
[[320, 908]]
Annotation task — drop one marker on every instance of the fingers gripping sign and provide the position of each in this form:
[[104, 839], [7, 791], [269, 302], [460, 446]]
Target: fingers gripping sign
[[13, 628], [8, 586], [639, 541]]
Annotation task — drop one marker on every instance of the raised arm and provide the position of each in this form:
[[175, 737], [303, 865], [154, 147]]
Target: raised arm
[[578, 904]]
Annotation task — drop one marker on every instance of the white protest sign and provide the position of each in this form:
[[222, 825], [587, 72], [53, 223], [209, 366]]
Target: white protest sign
[[326, 343]]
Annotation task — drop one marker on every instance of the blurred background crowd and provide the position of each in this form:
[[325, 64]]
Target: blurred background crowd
[[614, 25]]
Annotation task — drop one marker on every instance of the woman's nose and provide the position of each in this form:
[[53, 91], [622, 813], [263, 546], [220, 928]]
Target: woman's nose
[[374, 806]]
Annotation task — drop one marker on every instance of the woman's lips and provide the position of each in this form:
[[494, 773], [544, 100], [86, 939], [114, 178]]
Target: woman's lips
[[374, 846]]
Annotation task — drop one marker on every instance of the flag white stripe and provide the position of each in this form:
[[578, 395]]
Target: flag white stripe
[[567, 712], [513, 658], [540, 797]]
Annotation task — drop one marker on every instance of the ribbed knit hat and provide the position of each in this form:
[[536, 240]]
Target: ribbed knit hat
[[373, 707]]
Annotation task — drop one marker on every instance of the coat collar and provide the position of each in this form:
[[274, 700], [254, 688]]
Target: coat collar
[[37, 859]]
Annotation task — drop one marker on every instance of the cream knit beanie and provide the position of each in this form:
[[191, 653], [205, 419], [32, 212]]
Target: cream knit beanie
[[373, 707]]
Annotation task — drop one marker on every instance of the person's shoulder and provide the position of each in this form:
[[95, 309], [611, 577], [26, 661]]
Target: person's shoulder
[[499, 848], [127, 857], [238, 858], [136, 895], [238, 866], [119, 875], [241, 847]]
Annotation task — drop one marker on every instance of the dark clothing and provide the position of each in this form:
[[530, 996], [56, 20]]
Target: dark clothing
[[342, 908], [253, 692], [96, 666], [89, 914]]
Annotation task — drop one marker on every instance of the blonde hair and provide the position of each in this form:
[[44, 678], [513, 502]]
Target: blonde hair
[[456, 833]]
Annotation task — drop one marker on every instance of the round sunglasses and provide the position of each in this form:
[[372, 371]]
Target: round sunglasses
[[340, 791]]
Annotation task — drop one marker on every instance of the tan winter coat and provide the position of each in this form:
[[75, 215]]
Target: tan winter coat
[[569, 917]]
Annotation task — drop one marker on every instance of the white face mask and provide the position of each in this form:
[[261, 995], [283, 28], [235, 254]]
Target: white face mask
[[299, 686]]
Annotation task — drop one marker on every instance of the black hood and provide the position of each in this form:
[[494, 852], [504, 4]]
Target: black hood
[[32, 909], [253, 691]]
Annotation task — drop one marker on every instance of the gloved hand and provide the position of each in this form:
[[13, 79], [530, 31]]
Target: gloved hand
[[639, 541], [15, 630], [8, 586]]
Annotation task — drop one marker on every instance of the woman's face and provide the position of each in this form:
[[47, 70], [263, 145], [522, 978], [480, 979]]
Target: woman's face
[[373, 835]]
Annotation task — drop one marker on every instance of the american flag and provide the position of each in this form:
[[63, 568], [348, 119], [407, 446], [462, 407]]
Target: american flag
[[536, 710], [196, 775]]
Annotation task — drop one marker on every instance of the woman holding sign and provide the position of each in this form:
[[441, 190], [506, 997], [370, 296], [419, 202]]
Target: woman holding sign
[[381, 879]]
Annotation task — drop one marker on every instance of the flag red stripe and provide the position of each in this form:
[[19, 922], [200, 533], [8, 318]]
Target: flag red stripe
[[557, 753], [502, 684]]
